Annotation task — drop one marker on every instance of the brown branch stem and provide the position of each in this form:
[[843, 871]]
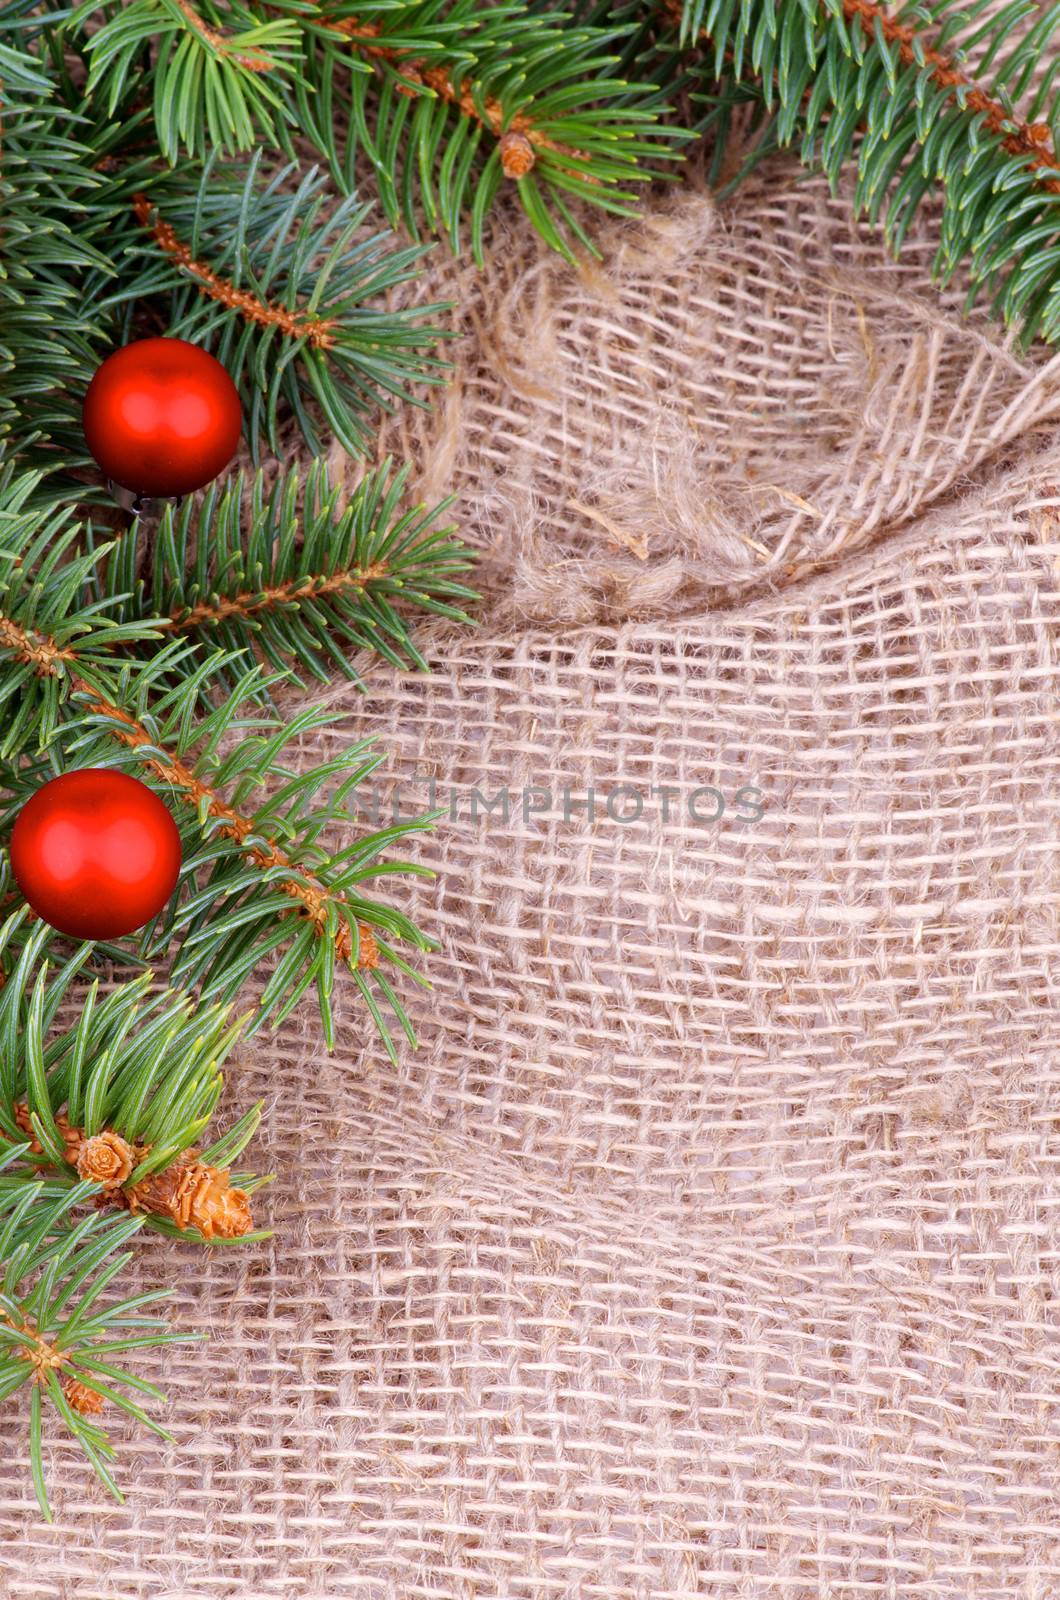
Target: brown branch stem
[[312, 895], [297, 324], [252, 61], [35, 650], [519, 140], [248, 604]]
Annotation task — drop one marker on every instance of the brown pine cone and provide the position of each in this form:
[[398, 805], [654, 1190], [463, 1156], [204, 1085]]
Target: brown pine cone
[[194, 1195], [368, 950], [516, 153], [81, 1398], [106, 1158], [216, 1208], [71, 1137]]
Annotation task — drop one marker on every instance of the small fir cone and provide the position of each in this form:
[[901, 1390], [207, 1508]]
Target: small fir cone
[[41, 1355], [190, 1193], [71, 1137], [368, 957], [106, 1158], [194, 1195], [368, 950], [516, 153], [79, 1397]]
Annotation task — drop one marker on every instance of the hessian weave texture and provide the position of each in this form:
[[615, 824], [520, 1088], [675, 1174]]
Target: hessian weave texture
[[709, 1245]]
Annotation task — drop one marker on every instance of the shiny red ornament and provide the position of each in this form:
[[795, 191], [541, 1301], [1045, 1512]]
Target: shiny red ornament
[[95, 853], [162, 417]]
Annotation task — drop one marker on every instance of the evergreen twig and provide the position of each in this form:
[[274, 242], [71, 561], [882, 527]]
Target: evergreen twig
[[257, 861], [297, 575], [292, 295], [121, 1100], [447, 100], [924, 100]]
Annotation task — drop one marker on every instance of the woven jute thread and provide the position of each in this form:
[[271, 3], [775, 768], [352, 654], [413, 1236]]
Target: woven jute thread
[[707, 1246], [732, 400]]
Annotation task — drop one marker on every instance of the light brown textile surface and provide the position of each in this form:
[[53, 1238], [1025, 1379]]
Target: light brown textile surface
[[709, 1243]]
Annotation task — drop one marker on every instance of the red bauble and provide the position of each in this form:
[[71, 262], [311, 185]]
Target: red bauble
[[95, 853], [162, 417]]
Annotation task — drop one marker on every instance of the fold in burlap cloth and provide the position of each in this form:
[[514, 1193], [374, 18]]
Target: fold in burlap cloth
[[709, 1244]]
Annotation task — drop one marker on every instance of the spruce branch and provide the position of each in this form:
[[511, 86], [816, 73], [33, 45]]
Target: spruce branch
[[302, 886], [519, 139], [98, 235], [320, 331], [922, 106], [20, 72], [52, 637], [256, 875], [448, 100], [58, 1335], [52, 216], [308, 579], [1018, 137], [255, 860], [243, 913], [291, 294], [81, 698], [121, 1100], [210, 67]]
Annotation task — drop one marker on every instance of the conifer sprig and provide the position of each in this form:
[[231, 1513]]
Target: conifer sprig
[[295, 575], [100, 1126], [290, 293], [299, 296], [52, 634], [925, 100], [123, 1099], [448, 100], [257, 878], [216, 72], [50, 204], [59, 1252], [459, 100], [264, 866], [58, 1336]]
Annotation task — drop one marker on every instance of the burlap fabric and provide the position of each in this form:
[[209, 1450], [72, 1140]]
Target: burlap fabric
[[709, 1244]]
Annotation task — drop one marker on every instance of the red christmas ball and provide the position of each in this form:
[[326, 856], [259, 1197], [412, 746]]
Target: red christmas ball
[[162, 417], [95, 853]]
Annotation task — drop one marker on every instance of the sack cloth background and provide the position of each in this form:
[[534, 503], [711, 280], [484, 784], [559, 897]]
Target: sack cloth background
[[710, 1243]]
